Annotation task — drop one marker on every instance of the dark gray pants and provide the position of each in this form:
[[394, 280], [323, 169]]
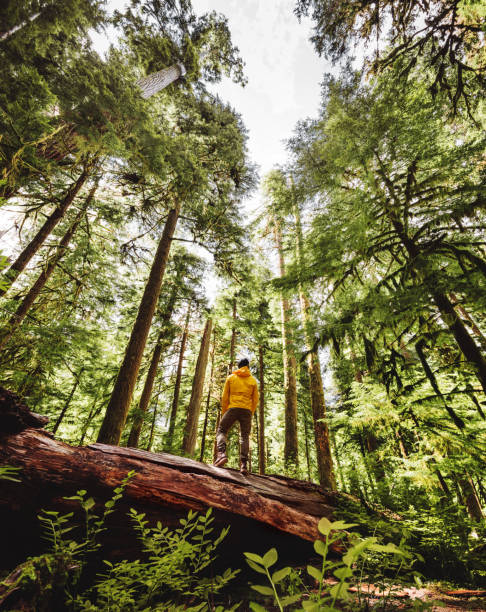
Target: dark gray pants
[[243, 415]]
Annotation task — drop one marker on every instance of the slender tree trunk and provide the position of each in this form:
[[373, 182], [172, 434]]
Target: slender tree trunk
[[190, 431], [160, 345], [291, 452], [117, 410], [208, 400], [470, 498], [261, 413], [321, 431], [177, 386], [68, 401], [231, 364], [307, 450], [22, 24], [136, 429], [26, 304], [50, 223]]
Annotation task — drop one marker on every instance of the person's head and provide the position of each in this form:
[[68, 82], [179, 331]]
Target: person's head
[[243, 362]]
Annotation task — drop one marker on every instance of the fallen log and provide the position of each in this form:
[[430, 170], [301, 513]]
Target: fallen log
[[262, 511]]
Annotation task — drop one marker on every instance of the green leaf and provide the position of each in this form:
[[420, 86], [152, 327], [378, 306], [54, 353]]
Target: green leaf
[[287, 601], [254, 557], [264, 590], [340, 590], [320, 548], [270, 557], [257, 607], [314, 572], [338, 525], [254, 566], [325, 526], [310, 606], [280, 574], [343, 572], [89, 503]]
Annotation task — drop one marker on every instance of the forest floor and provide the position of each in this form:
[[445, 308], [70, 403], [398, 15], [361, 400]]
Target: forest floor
[[401, 598]]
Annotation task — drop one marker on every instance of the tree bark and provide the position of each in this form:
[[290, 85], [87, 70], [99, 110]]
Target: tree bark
[[291, 449], [325, 466], [26, 304], [470, 498], [117, 410], [68, 401], [50, 223], [261, 414], [231, 364], [155, 82], [208, 400], [177, 385], [190, 431], [160, 345]]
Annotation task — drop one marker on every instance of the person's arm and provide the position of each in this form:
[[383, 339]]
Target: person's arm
[[255, 397], [225, 397]]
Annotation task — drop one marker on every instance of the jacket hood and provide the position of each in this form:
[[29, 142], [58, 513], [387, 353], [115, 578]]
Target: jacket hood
[[244, 371]]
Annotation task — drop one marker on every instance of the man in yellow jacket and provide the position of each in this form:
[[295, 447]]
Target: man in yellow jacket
[[238, 403]]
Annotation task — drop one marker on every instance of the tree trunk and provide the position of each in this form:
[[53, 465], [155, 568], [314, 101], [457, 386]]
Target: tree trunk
[[136, 429], [231, 364], [261, 413], [190, 431], [157, 81], [321, 431], [464, 340], [208, 400], [160, 345], [50, 223], [68, 401], [117, 410], [28, 301], [470, 498], [177, 386], [291, 449]]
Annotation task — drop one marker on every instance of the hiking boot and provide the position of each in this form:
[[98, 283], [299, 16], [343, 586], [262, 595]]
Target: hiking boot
[[221, 460], [244, 468]]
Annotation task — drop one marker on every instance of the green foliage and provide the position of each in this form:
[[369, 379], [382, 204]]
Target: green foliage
[[349, 569], [171, 571], [8, 472]]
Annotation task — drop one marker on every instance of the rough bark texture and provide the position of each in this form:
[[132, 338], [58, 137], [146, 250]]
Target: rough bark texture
[[291, 454], [177, 385], [157, 81], [268, 510], [190, 430], [261, 414], [162, 343], [50, 223], [208, 399], [321, 430], [117, 410]]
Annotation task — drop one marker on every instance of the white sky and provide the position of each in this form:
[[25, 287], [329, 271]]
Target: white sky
[[283, 73]]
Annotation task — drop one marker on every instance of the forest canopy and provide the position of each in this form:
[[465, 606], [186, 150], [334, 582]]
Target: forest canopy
[[135, 279]]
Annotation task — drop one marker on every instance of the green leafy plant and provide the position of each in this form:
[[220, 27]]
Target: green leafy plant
[[174, 569], [327, 595], [8, 472]]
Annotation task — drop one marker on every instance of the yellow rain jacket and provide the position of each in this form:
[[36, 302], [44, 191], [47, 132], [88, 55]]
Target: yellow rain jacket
[[240, 391]]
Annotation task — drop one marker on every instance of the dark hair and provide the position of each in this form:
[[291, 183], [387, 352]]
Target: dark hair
[[243, 362]]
